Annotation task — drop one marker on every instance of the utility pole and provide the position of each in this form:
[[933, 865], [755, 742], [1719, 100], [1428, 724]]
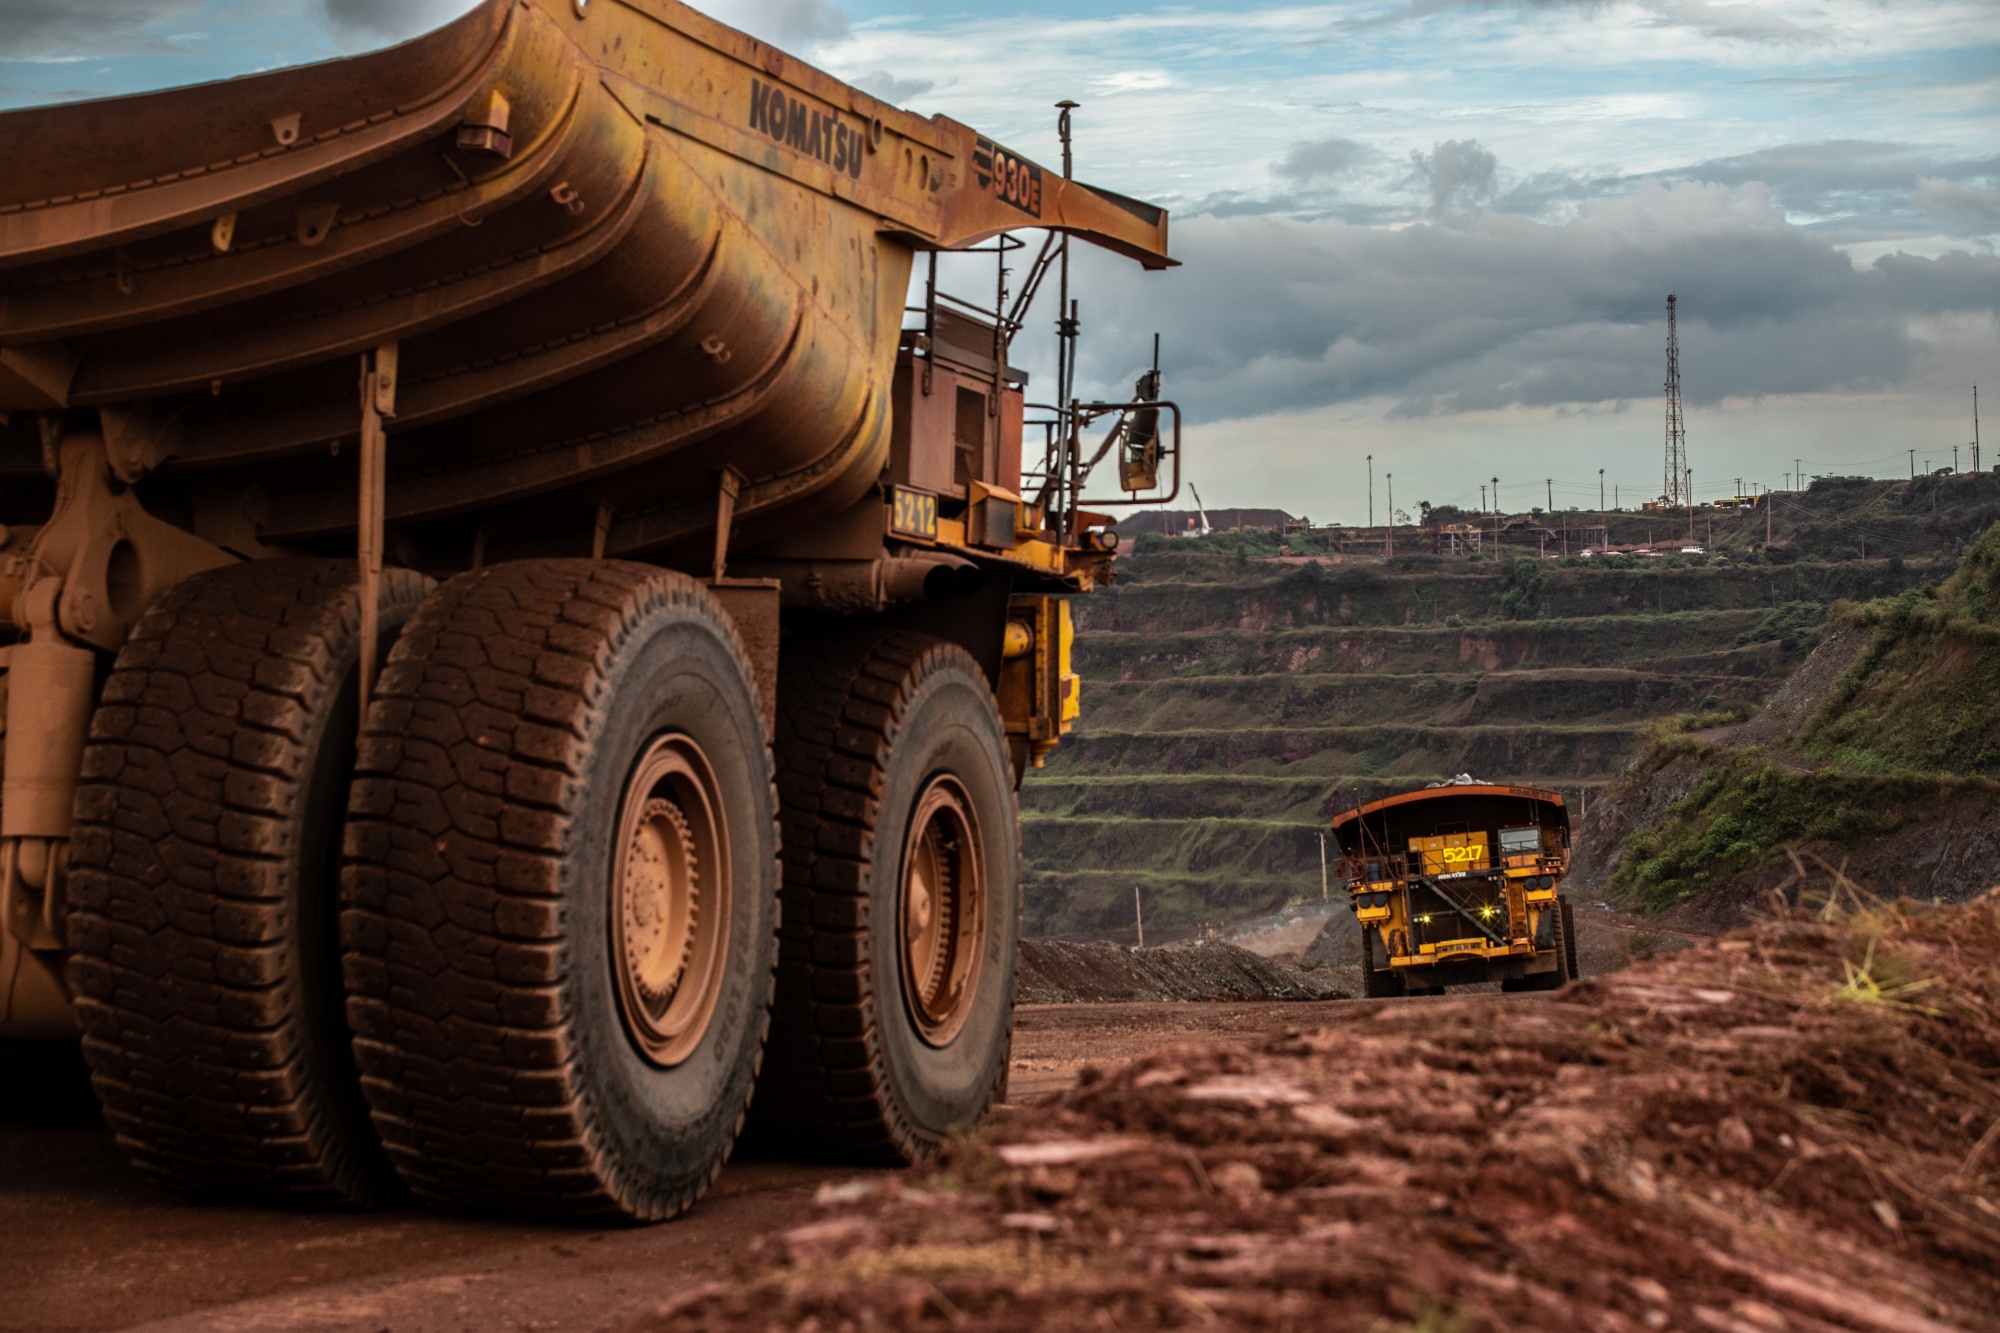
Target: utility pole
[[1482, 497], [1371, 490], [1676, 428], [1913, 465], [1550, 483], [1600, 490], [1496, 518], [1767, 522], [1690, 495], [1391, 477], [1975, 428]]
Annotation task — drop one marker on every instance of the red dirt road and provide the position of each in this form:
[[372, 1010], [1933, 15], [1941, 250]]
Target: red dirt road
[[88, 1243]]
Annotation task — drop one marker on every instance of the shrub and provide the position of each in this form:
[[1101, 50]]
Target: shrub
[[1521, 590]]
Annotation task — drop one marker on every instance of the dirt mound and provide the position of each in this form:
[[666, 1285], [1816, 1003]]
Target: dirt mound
[[1058, 972], [1794, 1127], [1338, 943], [1792, 708]]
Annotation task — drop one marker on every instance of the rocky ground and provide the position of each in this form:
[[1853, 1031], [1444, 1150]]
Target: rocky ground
[[1795, 1126]]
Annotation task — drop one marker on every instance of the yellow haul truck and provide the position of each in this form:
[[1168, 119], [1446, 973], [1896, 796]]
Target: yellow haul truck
[[536, 402], [1459, 884]]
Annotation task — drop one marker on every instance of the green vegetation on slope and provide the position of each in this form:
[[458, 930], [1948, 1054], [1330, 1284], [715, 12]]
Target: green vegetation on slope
[[1914, 722], [1701, 642], [1360, 593], [1746, 811], [1925, 697]]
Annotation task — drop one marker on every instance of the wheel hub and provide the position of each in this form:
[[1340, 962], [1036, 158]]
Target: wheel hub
[[669, 900], [941, 926]]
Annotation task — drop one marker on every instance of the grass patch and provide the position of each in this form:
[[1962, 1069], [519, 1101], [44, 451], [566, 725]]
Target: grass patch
[[1747, 810]]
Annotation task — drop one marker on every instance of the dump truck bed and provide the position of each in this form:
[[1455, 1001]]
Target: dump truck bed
[[620, 247]]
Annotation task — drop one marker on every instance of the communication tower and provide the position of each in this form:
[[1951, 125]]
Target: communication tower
[[1677, 492]]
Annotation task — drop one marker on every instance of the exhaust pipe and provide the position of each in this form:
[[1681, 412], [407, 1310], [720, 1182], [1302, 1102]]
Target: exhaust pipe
[[850, 586]]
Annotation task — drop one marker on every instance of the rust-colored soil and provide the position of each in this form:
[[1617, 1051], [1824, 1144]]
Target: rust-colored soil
[[1793, 1127]]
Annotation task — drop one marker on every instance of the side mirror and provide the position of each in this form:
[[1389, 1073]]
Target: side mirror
[[1139, 445]]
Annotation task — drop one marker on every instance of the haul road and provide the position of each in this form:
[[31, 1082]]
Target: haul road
[[532, 402]]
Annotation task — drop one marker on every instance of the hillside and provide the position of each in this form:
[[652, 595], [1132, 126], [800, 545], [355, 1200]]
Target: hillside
[[1881, 754], [1233, 684]]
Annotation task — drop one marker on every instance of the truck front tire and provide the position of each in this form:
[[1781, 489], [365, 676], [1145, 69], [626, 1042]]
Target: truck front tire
[[561, 892], [1379, 981], [902, 900]]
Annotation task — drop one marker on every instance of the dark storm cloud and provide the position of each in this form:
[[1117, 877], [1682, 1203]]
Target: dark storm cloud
[[393, 19], [1334, 157], [1458, 173], [1851, 187], [795, 24], [1812, 171], [69, 29], [1274, 313], [892, 89], [1949, 199]]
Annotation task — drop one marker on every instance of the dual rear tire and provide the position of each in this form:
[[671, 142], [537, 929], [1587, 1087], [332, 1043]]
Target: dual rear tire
[[556, 931], [560, 909], [204, 882]]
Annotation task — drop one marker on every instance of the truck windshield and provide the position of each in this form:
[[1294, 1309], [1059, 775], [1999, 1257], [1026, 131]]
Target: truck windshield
[[1518, 841]]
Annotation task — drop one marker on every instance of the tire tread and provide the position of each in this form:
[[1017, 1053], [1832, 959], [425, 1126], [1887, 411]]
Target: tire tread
[[185, 987], [826, 1089], [472, 766]]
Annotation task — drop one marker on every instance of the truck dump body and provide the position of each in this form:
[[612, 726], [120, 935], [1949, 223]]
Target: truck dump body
[[1458, 884], [475, 540], [620, 245]]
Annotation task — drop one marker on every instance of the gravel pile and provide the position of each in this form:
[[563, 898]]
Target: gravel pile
[[1055, 972]]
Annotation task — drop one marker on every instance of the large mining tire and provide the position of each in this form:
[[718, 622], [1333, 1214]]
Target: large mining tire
[[1565, 951], [1378, 983], [902, 901], [561, 893], [204, 876]]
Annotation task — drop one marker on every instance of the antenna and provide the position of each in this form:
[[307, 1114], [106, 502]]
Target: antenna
[[1676, 492]]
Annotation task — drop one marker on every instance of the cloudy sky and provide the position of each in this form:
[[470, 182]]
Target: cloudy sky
[[1440, 233]]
